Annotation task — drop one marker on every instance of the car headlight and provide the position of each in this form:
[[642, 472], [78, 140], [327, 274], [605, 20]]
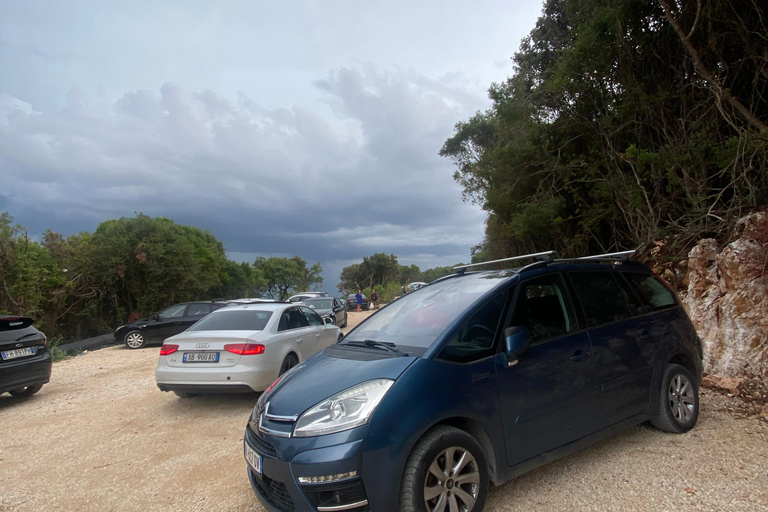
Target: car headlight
[[348, 409]]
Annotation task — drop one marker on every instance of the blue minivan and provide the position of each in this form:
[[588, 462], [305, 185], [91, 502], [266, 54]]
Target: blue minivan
[[475, 378]]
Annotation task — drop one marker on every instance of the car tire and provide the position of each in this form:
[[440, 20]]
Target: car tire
[[678, 407], [26, 391], [422, 489], [134, 339], [289, 362], [184, 394]]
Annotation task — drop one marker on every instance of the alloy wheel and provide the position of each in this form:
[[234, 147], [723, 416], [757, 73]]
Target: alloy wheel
[[134, 340], [681, 399], [452, 483]]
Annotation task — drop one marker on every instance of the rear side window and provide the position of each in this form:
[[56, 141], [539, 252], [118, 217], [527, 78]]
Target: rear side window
[[652, 291], [476, 339], [602, 297], [543, 308], [198, 309], [292, 319]]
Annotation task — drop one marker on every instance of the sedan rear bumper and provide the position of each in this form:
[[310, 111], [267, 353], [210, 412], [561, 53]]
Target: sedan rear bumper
[[234, 379]]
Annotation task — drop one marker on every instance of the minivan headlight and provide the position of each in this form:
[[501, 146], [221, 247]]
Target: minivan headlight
[[348, 409]]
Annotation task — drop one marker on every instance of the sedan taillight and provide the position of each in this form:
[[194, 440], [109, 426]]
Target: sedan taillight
[[168, 349], [245, 349]]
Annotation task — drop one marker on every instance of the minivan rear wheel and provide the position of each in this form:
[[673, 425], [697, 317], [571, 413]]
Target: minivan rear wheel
[[447, 470], [678, 408]]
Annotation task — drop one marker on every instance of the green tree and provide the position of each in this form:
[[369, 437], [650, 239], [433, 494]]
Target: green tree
[[284, 276], [625, 121]]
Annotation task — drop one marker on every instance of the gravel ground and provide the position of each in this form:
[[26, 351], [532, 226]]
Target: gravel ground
[[101, 436]]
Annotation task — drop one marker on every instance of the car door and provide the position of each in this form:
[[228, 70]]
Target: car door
[[293, 329], [319, 335], [622, 343], [339, 312], [166, 323], [549, 397]]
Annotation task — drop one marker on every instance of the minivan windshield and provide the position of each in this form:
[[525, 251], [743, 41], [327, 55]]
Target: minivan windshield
[[417, 319], [237, 320]]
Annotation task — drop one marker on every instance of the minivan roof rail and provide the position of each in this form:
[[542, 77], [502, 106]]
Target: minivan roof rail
[[611, 256], [547, 256]]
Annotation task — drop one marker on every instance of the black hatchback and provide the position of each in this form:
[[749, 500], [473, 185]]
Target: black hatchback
[[164, 324], [25, 362]]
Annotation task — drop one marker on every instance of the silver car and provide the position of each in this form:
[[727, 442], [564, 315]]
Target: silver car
[[241, 348]]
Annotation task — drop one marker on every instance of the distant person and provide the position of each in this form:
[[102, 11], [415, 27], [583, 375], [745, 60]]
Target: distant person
[[374, 299], [359, 300]]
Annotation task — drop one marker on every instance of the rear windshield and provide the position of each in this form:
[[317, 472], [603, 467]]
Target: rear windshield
[[319, 303], [417, 319], [239, 320]]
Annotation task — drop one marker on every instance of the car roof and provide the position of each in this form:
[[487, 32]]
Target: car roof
[[261, 306]]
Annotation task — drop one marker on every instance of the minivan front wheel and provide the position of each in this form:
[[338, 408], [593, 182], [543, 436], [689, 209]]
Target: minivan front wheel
[[446, 471], [678, 408]]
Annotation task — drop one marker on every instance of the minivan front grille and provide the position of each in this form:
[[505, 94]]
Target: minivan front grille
[[276, 493], [261, 445]]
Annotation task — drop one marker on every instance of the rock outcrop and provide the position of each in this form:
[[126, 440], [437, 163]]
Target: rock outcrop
[[727, 300]]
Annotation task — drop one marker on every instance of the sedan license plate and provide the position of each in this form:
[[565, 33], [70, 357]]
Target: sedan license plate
[[252, 458], [200, 357], [17, 352]]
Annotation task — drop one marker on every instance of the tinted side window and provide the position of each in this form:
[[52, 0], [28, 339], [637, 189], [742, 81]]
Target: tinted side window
[[476, 339], [198, 309], [601, 296], [312, 317], [544, 309], [292, 319], [176, 311], [652, 291]]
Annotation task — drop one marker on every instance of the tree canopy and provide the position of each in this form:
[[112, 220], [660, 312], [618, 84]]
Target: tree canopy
[[625, 121]]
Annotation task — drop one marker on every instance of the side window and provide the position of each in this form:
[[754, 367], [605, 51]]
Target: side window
[[198, 309], [292, 319], [602, 297], [176, 311], [652, 291], [311, 317], [544, 309], [476, 339]]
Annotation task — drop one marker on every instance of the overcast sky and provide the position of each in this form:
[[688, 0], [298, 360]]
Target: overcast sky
[[285, 128]]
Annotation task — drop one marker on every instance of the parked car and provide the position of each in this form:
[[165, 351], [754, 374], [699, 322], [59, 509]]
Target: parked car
[[329, 307], [301, 297], [412, 287], [473, 379], [352, 302], [164, 324], [25, 362], [241, 348]]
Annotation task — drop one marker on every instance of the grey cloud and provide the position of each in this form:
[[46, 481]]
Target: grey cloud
[[267, 181]]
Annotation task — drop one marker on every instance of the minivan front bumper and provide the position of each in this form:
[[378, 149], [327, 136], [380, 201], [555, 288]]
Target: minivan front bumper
[[329, 473]]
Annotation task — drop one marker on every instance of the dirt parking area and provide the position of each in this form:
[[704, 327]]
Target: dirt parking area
[[101, 436]]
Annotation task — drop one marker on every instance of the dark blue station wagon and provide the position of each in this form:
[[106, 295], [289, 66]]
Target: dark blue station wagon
[[475, 378]]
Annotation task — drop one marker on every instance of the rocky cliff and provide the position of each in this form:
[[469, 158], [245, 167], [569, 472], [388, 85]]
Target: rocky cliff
[[727, 300]]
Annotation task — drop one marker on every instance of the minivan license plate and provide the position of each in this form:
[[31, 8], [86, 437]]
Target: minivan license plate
[[18, 352], [200, 357], [253, 458]]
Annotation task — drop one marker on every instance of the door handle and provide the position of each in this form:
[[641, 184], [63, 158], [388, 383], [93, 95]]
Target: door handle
[[317, 335], [579, 356], [298, 341]]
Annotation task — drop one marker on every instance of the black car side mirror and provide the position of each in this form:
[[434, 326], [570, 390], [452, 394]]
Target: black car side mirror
[[517, 340]]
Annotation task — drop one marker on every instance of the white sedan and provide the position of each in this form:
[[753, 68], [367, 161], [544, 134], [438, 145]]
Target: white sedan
[[241, 348]]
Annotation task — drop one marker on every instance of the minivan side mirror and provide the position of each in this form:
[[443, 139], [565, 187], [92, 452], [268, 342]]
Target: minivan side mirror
[[517, 340]]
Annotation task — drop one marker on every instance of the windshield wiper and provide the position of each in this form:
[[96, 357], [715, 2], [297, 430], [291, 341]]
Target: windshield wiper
[[385, 345]]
